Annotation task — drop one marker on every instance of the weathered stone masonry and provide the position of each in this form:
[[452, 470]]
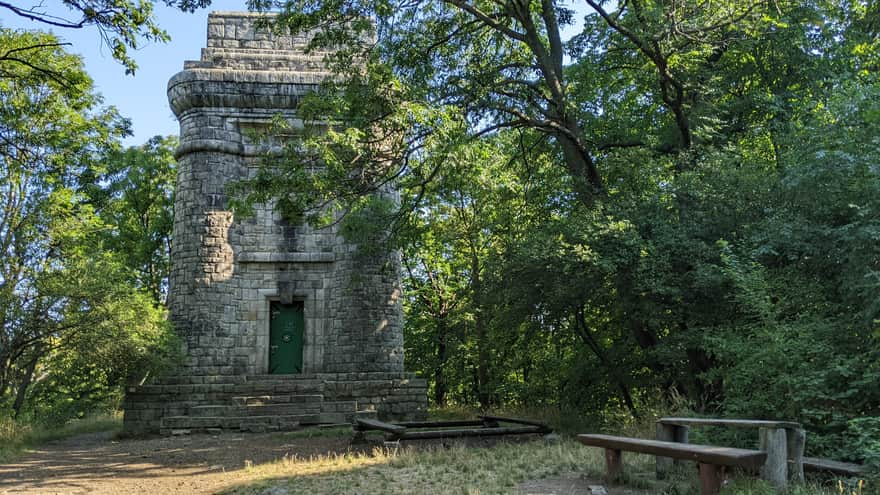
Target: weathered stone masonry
[[226, 271]]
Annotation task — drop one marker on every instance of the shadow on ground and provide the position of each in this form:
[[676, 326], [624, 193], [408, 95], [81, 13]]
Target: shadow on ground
[[197, 464], [98, 463]]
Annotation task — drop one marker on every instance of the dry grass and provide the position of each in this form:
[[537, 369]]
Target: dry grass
[[454, 469], [474, 470]]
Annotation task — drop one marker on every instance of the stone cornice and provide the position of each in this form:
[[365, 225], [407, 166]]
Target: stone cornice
[[207, 88], [210, 146]]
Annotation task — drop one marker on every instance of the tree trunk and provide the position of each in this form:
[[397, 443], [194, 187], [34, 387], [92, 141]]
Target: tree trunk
[[21, 393], [484, 397], [4, 385], [5, 373], [580, 166], [613, 373], [440, 387]]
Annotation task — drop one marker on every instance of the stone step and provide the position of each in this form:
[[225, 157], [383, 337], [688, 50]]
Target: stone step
[[264, 387], [259, 400], [289, 377], [207, 411], [338, 406], [198, 380], [146, 390], [230, 379], [273, 387], [267, 410], [280, 409], [263, 400], [285, 422], [258, 422], [347, 417], [224, 402]]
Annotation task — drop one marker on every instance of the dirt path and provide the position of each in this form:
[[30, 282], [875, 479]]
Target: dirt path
[[198, 464], [98, 464]]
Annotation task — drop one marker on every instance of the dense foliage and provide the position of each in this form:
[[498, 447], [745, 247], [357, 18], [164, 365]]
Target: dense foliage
[[75, 325], [676, 207], [134, 195]]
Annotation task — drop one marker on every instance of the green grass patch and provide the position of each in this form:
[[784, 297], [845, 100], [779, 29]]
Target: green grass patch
[[319, 432], [17, 437], [752, 486]]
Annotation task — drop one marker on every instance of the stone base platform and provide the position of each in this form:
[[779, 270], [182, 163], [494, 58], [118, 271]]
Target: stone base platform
[[270, 402]]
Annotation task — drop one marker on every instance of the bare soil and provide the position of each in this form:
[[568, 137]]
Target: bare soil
[[100, 464], [572, 484]]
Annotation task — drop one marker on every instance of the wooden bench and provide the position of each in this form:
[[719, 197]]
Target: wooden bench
[[783, 441], [711, 459]]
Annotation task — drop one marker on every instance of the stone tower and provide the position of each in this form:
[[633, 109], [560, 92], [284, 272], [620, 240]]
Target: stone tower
[[281, 322]]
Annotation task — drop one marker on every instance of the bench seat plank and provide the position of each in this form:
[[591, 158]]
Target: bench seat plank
[[470, 432], [364, 424], [837, 467], [440, 424], [502, 419], [736, 423], [707, 454]]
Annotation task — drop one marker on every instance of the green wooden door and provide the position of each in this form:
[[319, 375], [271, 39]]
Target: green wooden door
[[285, 338]]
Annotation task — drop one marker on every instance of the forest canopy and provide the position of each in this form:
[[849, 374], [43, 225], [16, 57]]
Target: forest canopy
[[674, 207]]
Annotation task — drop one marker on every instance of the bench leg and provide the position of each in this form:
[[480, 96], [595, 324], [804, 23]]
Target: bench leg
[[796, 440], [669, 433], [681, 434], [613, 465], [773, 441], [710, 479], [665, 433], [358, 437]]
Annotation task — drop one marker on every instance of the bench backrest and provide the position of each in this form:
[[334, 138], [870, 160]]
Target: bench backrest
[[736, 423]]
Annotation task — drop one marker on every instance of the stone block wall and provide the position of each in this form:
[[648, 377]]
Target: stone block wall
[[391, 395], [225, 271]]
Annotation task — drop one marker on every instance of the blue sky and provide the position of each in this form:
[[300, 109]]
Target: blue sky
[[141, 97]]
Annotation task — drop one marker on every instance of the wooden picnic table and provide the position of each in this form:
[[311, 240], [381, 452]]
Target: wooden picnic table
[[783, 441]]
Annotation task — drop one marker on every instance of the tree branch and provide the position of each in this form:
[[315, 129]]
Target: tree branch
[[44, 18], [488, 20]]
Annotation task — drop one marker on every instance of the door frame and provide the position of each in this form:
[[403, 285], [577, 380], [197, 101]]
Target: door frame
[[314, 330], [297, 304]]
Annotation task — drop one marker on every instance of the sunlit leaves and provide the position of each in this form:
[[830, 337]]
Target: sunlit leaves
[[64, 296]]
